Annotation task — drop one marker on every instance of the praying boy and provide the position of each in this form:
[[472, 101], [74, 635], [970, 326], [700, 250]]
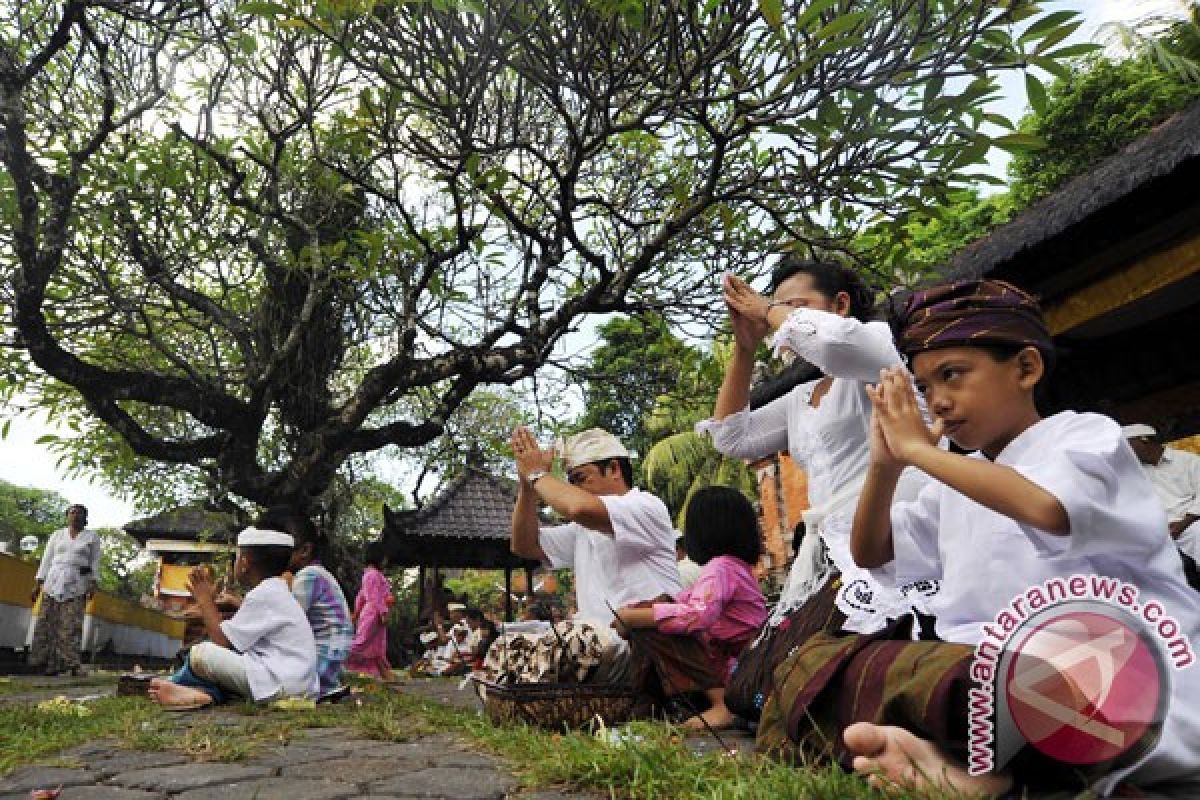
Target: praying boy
[[265, 652], [1036, 499]]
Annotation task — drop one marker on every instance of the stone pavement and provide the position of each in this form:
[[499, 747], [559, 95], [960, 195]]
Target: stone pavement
[[317, 764]]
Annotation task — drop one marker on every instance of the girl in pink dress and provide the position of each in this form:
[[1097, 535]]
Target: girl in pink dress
[[368, 653], [693, 640]]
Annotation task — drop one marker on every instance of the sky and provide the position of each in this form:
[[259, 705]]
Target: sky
[[26, 463]]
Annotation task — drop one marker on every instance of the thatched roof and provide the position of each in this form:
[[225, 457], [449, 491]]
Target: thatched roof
[[184, 524], [468, 524]]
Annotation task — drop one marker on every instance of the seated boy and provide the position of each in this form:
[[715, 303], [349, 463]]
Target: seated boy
[[1036, 501], [265, 652], [319, 595]]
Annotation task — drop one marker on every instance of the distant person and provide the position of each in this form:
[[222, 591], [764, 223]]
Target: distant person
[[66, 580], [372, 604], [265, 652], [1175, 475], [319, 594]]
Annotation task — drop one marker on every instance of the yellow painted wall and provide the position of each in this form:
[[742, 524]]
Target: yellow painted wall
[[17, 579]]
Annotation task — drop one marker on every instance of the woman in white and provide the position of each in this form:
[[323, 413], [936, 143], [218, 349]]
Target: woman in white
[[820, 312], [66, 579]]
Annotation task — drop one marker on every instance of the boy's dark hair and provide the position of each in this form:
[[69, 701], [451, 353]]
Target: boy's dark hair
[[474, 613], [721, 522], [624, 464], [270, 560], [300, 526], [829, 278], [1006, 351]]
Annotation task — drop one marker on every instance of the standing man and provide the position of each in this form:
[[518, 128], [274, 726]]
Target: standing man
[[618, 539], [66, 579], [1176, 478]]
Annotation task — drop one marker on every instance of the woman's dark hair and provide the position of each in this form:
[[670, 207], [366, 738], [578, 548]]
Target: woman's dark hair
[[721, 522], [300, 526], [829, 278], [271, 560], [624, 464]]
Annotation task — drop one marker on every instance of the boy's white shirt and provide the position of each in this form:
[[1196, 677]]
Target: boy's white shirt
[[1117, 529], [272, 633]]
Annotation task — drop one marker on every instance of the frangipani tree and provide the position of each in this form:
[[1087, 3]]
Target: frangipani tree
[[254, 242]]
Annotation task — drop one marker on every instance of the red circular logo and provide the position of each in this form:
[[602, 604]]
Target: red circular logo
[[1084, 687]]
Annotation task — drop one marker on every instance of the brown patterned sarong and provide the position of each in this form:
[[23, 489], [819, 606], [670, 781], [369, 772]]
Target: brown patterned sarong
[[833, 681], [667, 665], [58, 634], [752, 680]]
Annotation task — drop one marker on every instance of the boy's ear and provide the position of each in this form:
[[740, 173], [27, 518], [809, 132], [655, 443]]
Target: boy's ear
[[1031, 367]]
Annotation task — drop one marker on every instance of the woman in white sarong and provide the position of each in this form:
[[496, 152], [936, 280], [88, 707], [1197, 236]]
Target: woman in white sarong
[[820, 312]]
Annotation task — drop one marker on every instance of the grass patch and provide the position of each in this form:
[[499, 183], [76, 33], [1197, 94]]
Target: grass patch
[[28, 735], [650, 764]]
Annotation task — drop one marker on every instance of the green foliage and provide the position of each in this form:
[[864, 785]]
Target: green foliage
[[1095, 109], [125, 569], [639, 364], [1099, 108], [26, 511]]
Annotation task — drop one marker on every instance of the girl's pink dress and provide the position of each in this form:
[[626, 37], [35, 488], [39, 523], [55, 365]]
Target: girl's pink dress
[[368, 653]]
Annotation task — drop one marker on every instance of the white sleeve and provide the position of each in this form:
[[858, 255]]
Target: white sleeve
[[751, 434], [915, 554], [1193, 463], [639, 520], [254, 620], [97, 549], [1093, 473], [47, 556], [558, 543], [842, 347]]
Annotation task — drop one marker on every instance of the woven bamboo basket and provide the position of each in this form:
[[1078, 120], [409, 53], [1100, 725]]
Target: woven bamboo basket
[[556, 705]]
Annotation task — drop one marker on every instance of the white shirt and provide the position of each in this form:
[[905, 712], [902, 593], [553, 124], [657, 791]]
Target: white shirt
[[272, 633], [831, 442], [1117, 529], [1176, 479], [635, 562], [70, 564]]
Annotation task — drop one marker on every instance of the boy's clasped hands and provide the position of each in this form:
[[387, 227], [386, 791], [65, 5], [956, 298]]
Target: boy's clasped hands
[[898, 429]]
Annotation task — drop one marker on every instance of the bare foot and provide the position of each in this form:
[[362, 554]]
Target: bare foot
[[718, 718], [894, 756], [173, 696]]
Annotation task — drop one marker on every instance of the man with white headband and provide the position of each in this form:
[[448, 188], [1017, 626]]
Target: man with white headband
[[265, 652], [618, 539], [1176, 478]]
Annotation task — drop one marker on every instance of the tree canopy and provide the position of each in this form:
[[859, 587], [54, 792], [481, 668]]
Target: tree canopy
[[246, 244]]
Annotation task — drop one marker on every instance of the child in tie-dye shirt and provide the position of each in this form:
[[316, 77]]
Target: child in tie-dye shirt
[[318, 593]]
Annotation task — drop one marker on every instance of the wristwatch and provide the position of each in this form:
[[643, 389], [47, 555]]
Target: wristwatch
[[536, 475]]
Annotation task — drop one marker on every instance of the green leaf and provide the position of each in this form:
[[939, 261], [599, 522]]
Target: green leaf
[[263, 9], [1074, 50], [1044, 26], [1056, 68], [813, 13], [1036, 93], [1019, 142], [841, 24], [772, 11]]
